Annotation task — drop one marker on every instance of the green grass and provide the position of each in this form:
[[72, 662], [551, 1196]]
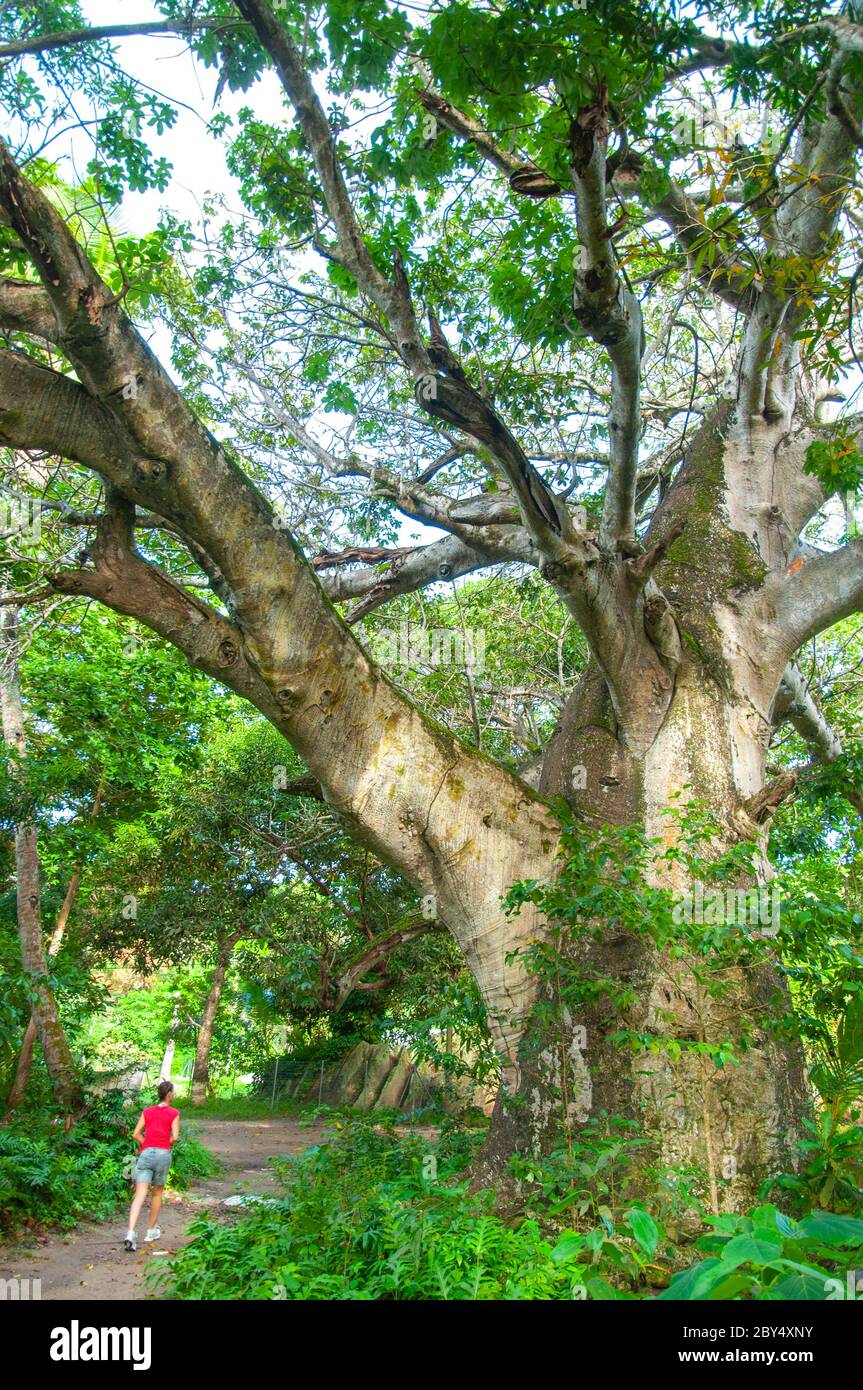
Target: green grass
[[242, 1108], [258, 1107]]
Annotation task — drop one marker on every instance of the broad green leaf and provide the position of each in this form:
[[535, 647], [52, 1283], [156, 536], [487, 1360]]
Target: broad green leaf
[[830, 1229], [644, 1228]]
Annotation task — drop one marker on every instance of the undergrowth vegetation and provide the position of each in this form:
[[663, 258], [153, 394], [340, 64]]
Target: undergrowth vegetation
[[50, 1177], [380, 1213]]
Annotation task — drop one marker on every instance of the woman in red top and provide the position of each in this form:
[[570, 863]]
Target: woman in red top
[[157, 1129]]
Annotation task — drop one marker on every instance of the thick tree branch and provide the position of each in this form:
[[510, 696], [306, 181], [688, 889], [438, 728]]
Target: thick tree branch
[[681, 215], [611, 314], [124, 582], [524, 178], [445, 559], [307, 785], [26, 308], [795, 704], [40, 409], [405, 787], [411, 496], [707, 51], [73, 38], [371, 955], [805, 218], [813, 592]]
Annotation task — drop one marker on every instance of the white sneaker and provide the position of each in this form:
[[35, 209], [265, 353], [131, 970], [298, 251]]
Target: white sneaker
[[153, 1234], [131, 1241]]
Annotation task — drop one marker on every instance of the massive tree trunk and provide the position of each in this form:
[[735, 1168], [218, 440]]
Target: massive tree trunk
[[201, 1068], [736, 1122], [741, 1121], [49, 1029]]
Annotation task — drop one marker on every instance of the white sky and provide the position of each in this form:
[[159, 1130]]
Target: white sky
[[198, 160]]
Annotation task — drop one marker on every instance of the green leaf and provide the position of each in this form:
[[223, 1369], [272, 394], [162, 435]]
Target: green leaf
[[750, 1250], [800, 1285], [569, 1247], [644, 1228], [787, 1226], [849, 1038], [830, 1229], [693, 1283], [601, 1290]]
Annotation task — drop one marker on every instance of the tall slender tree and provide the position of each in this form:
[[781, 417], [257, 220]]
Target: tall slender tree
[[45, 1016]]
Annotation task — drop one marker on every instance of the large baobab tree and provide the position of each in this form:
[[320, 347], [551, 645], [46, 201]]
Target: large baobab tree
[[588, 287]]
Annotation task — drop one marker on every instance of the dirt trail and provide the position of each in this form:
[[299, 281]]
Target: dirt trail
[[90, 1264]]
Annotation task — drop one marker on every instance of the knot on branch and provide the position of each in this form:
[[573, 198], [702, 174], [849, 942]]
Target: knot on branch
[[661, 628], [532, 182], [151, 470], [227, 652], [289, 698], [590, 125]]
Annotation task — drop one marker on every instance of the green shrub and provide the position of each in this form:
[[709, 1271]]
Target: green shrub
[[380, 1213], [190, 1160], [48, 1177], [602, 1171], [831, 1173], [767, 1255], [370, 1215]]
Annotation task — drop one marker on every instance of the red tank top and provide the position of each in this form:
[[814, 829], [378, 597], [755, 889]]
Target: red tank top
[[157, 1126]]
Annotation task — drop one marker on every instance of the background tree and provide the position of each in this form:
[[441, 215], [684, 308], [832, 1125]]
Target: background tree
[[28, 895], [86, 681], [228, 864]]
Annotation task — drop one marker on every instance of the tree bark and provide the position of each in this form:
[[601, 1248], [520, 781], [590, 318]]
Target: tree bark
[[49, 1029], [23, 1067], [736, 1123], [25, 1057], [201, 1069]]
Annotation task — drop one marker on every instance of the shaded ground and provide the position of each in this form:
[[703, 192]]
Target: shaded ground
[[90, 1264]]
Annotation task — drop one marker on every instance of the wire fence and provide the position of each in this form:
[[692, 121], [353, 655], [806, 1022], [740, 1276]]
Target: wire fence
[[309, 1080]]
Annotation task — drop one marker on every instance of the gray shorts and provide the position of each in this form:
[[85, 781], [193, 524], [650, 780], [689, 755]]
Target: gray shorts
[[152, 1166]]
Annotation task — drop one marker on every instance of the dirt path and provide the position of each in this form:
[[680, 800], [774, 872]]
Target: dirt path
[[90, 1263]]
